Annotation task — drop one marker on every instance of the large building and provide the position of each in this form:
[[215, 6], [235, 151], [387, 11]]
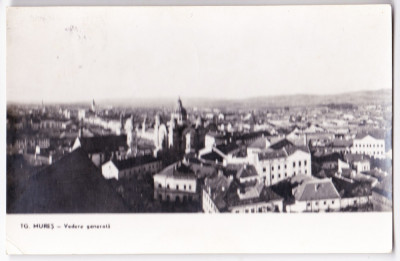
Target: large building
[[239, 193], [280, 161], [314, 195], [369, 145], [177, 133], [176, 182]]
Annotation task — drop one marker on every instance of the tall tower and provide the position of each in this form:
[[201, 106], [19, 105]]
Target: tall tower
[[93, 106], [179, 113], [131, 136]]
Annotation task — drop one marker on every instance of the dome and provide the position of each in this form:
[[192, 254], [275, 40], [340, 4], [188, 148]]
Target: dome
[[180, 110]]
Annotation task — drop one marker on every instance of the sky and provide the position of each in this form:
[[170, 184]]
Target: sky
[[79, 54]]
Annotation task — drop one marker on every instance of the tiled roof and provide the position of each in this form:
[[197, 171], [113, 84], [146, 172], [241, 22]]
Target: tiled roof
[[260, 143], [350, 189], [103, 143], [133, 162], [316, 189], [227, 148], [179, 171], [264, 194], [247, 171], [213, 156], [285, 143], [342, 143], [272, 154], [356, 157], [377, 134]]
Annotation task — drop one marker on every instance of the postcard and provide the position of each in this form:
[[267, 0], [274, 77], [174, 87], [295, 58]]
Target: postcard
[[199, 129]]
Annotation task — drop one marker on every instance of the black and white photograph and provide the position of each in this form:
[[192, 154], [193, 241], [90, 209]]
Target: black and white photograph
[[267, 111]]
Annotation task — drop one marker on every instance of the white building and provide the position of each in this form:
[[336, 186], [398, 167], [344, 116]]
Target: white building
[[282, 160], [177, 182], [315, 195], [368, 145]]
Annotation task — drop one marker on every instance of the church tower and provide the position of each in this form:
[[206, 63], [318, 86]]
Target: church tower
[[179, 113], [93, 108], [131, 136]]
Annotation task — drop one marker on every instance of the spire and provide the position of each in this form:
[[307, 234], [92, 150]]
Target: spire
[[179, 102], [93, 106]]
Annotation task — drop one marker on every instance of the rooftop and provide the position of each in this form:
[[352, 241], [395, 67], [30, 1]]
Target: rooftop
[[133, 162], [71, 185], [315, 189]]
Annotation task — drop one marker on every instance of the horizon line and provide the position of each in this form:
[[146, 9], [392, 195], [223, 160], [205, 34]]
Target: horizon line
[[117, 100]]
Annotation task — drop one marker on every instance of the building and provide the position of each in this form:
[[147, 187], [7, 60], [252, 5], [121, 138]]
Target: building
[[382, 195], [369, 145], [359, 162], [280, 161], [176, 134], [353, 194], [230, 194], [128, 168], [177, 182], [179, 114], [314, 195], [100, 149]]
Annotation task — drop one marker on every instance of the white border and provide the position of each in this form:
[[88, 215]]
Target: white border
[[194, 2]]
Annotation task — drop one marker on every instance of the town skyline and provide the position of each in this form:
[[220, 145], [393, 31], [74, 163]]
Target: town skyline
[[170, 100]]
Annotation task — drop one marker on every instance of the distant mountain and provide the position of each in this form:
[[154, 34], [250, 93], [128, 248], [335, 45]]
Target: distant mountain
[[383, 96]]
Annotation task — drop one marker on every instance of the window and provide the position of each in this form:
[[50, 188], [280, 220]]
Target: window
[[252, 210], [237, 211], [333, 202], [316, 203], [184, 187], [272, 176], [259, 210], [177, 186], [294, 173], [308, 204], [247, 211], [272, 168], [279, 176], [190, 186], [159, 185], [285, 166], [294, 164], [306, 171], [264, 169], [324, 202], [285, 174], [305, 163], [168, 186], [299, 163]]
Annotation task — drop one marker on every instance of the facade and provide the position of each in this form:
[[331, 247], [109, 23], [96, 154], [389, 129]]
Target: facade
[[368, 145], [282, 160], [315, 195], [176, 182]]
